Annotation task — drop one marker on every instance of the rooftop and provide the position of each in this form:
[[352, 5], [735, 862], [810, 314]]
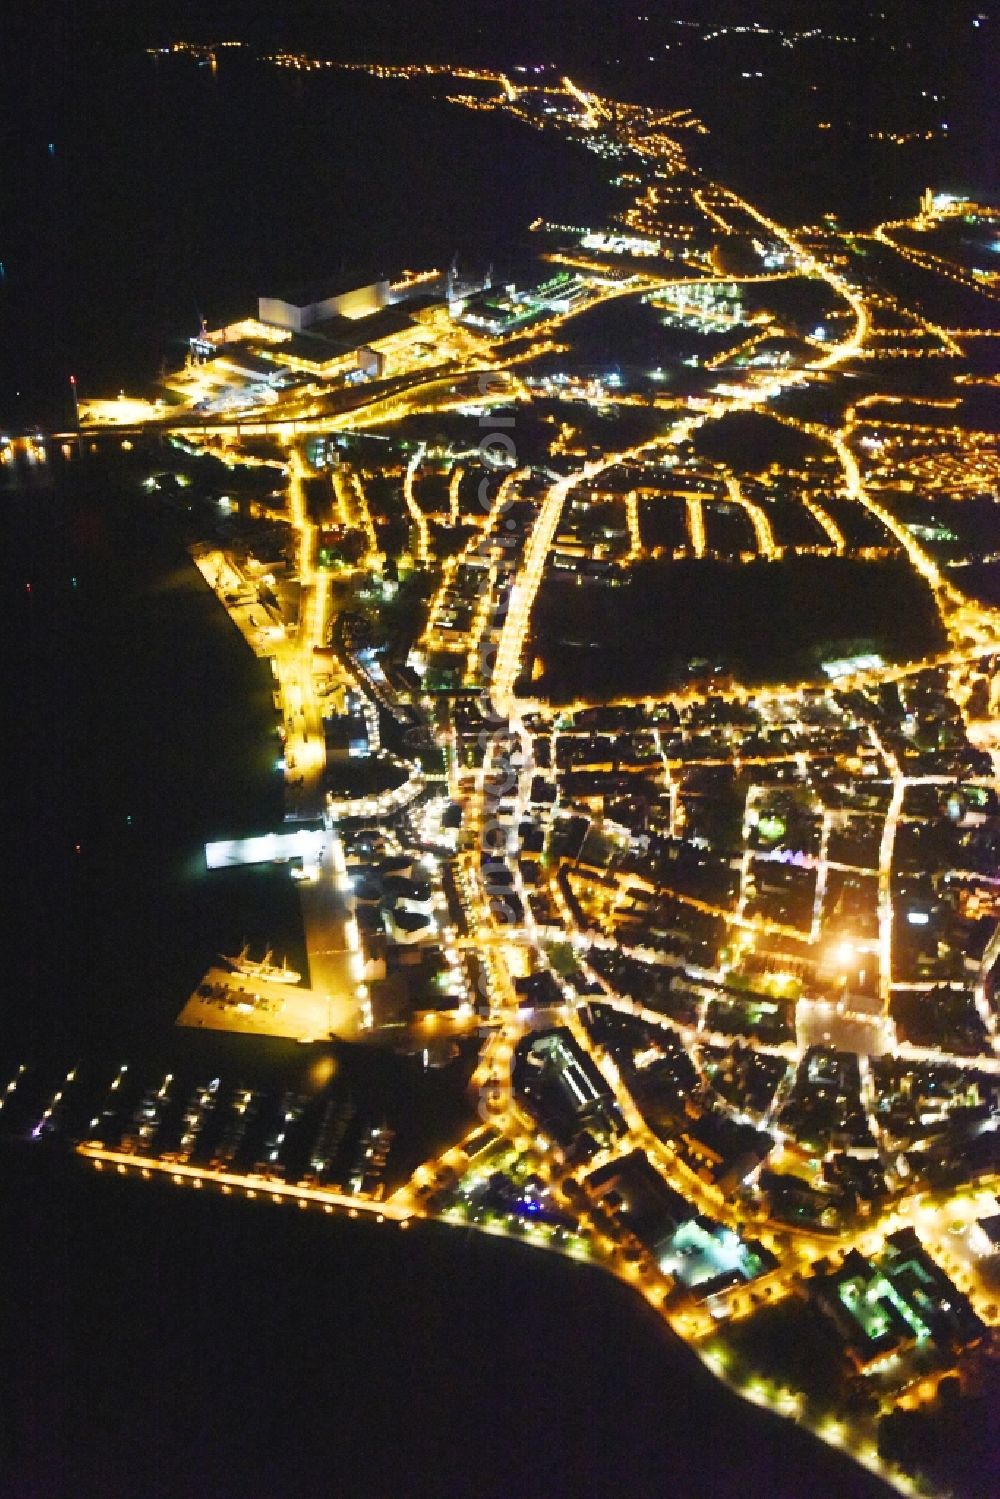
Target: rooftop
[[336, 336], [352, 333], [647, 1205], [901, 1297], [308, 293]]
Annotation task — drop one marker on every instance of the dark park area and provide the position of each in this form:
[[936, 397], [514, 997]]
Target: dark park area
[[762, 621]]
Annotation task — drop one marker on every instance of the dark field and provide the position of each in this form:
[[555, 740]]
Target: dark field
[[749, 442], [761, 621]]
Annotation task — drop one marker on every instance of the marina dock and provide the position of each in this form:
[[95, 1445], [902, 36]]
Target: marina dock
[[225, 1001]]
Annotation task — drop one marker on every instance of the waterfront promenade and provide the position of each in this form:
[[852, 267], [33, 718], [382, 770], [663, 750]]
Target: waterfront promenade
[[329, 1003]]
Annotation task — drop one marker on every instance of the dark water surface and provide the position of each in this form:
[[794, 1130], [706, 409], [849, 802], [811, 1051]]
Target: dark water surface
[[142, 194], [169, 1343], [142, 727]]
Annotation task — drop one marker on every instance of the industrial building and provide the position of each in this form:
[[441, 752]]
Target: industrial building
[[305, 306]]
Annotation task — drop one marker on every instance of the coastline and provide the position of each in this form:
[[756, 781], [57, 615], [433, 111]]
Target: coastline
[[210, 598], [573, 1339]]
